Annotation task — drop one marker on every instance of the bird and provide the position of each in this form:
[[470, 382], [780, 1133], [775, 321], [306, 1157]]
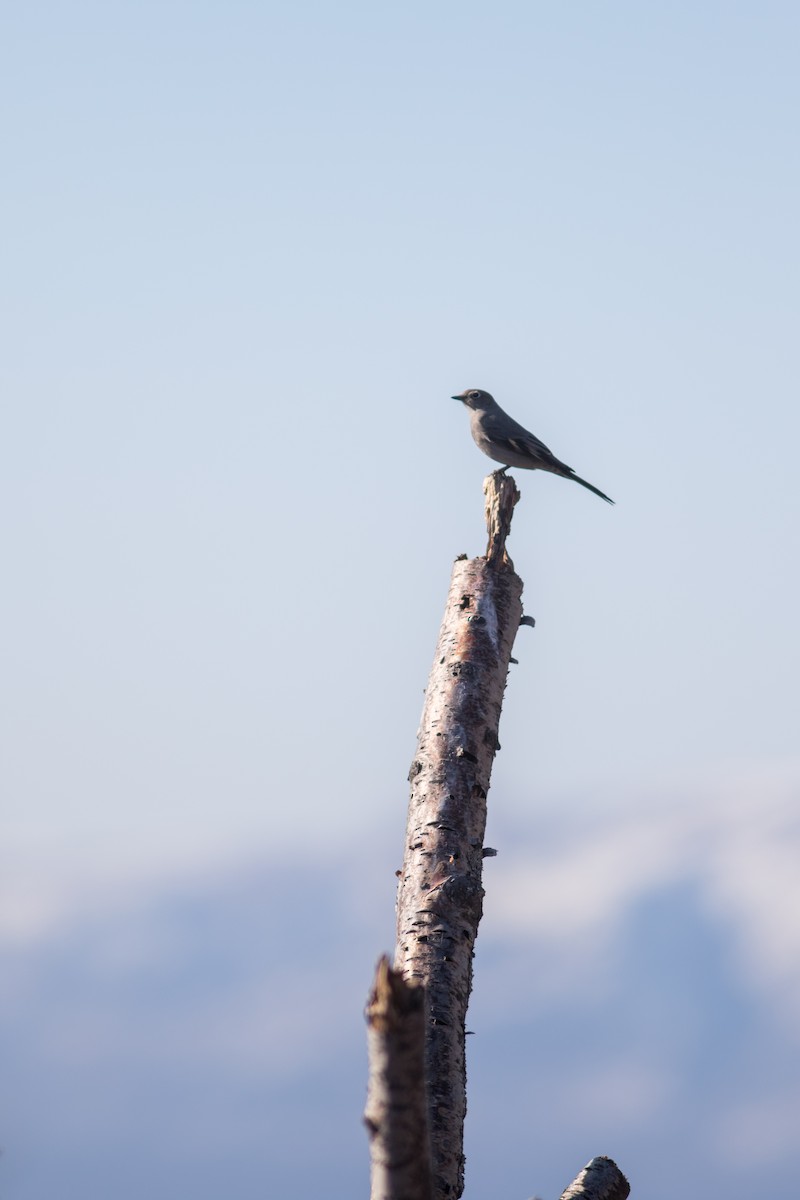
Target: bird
[[506, 441]]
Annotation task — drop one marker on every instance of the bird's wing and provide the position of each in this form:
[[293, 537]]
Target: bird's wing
[[506, 433], [524, 443], [504, 430]]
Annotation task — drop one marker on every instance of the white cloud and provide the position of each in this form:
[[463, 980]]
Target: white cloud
[[735, 837]]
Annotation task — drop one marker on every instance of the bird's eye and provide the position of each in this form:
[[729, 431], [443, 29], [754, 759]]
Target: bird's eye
[[474, 395]]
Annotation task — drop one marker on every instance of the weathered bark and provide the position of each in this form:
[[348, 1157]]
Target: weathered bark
[[601, 1179], [396, 1113], [417, 1098], [440, 894]]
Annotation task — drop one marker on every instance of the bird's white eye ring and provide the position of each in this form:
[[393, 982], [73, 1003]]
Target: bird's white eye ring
[[475, 395]]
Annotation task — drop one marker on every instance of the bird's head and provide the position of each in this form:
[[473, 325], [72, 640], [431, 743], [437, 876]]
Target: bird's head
[[475, 398]]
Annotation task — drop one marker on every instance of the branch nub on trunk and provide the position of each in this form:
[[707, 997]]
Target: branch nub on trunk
[[601, 1179]]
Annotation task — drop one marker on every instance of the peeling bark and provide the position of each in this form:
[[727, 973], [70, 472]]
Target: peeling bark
[[440, 893]]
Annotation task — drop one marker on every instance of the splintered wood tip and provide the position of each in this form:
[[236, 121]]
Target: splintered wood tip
[[501, 495]]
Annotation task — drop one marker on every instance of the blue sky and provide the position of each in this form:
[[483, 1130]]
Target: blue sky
[[250, 252]]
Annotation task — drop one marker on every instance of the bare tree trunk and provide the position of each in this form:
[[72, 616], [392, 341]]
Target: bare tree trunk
[[397, 1112], [416, 1013], [440, 894]]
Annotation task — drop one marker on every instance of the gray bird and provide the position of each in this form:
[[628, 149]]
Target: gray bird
[[503, 439]]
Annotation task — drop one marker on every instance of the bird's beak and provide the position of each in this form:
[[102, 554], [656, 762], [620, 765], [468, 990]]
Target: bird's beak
[[461, 397]]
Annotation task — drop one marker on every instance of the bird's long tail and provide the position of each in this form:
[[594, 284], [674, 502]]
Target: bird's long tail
[[591, 487]]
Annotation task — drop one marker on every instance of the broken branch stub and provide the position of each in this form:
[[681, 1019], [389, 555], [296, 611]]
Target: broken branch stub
[[396, 1114]]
